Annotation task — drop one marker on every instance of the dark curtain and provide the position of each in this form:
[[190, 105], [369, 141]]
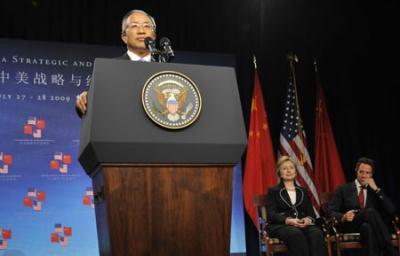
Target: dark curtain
[[354, 41]]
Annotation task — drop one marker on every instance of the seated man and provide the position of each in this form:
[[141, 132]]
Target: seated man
[[359, 206]]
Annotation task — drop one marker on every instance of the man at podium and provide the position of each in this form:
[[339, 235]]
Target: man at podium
[[136, 26]]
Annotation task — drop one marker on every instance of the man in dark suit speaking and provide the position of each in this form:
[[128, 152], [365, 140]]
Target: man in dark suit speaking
[[360, 205], [137, 25]]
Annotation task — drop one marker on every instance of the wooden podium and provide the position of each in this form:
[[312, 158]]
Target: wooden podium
[[160, 191]]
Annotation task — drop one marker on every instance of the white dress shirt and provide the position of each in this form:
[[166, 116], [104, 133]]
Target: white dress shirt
[[134, 57], [358, 184], [292, 195]]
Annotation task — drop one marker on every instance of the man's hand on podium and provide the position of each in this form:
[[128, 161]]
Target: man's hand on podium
[[81, 102]]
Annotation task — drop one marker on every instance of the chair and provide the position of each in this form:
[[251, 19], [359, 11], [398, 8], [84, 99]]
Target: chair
[[345, 241], [396, 235], [268, 246], [324, 199], [342, 241]]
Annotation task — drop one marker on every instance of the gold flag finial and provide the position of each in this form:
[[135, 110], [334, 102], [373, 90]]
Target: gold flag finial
[[315, 65], [255, 61], [292, 57]]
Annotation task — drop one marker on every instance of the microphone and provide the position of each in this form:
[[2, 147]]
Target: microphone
[[151, 45], [165, 44]]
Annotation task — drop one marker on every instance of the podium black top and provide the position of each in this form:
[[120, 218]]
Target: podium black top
[[117, 130]]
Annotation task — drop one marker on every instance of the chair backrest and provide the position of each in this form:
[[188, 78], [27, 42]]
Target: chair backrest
[[324, 199], [260, 202]]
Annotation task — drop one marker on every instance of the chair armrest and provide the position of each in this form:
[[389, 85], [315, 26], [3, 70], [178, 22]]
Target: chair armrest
[[333, 224], [263, 235], [329, 226], [323, 224]]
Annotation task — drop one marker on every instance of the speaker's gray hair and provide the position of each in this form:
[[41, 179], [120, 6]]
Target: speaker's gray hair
[[126, 16]]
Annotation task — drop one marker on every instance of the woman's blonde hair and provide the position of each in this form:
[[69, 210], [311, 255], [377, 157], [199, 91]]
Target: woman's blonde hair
[[281, 160]]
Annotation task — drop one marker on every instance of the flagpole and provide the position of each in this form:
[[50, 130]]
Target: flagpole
[[328, 171], [316, 69], [292, 58], [259, 173]]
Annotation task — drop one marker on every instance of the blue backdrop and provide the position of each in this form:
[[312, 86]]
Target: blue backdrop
[[46, 198]]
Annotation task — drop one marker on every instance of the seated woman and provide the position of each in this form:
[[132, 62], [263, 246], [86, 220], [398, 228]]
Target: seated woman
[[291, 215]]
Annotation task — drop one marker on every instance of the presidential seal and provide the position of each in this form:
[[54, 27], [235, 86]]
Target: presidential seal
[[171, 100]]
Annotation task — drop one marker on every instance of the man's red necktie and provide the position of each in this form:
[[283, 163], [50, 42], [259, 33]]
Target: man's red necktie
[[361, 197]]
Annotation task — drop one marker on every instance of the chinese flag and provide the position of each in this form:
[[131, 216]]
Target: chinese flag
[[40, 124], [67, 159], [259, 171], [28, 129], [28, 202], [67, 231], [41, 196], [54, 238], [6, 233], [86, 200], [54, 165], [7, 159], [328, 172]]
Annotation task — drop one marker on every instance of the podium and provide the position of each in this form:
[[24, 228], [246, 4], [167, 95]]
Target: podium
[[159, 191]]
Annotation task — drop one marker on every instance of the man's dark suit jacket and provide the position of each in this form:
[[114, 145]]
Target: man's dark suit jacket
[[125, 56], [346, 199], [279, 206]]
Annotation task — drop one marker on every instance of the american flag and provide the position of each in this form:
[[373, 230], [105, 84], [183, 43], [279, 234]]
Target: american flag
[[293, 141], [32, 192], [58, 228], [4, 170], [32, 120], [64, 168], [37, 134], [63, 241], [89, 191], [58, 156], [37, 206], [3, 244]]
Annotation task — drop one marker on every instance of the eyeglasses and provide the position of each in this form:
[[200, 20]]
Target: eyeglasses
[[136, 26]]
